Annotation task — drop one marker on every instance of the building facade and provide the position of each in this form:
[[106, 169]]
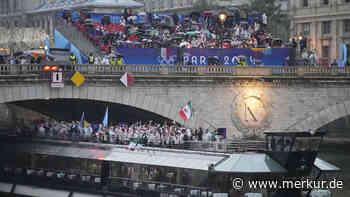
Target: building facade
[[13, 7], [184, 5], [324, 23], [15, 13]]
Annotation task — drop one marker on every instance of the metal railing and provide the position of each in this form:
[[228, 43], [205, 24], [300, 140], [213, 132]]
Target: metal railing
[[115, 185], [227, 146], [272, 71], [224, 146]]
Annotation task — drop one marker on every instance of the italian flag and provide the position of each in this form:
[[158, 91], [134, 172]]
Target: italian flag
[[186, 111], [127, 79]]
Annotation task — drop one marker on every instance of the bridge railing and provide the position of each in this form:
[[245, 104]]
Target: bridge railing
[[221, 146], [272, 71]]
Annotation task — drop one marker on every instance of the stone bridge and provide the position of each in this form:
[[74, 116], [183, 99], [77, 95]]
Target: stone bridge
[[246, 101]]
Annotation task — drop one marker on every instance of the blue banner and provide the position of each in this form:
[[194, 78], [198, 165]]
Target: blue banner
[[201, 56], [62, 43], [149, 56]]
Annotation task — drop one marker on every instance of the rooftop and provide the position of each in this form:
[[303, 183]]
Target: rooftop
[[71, 4]]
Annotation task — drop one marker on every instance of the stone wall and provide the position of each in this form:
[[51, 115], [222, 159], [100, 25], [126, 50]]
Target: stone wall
[[12, 115], [19, 39], [5, 116], [245, 109]]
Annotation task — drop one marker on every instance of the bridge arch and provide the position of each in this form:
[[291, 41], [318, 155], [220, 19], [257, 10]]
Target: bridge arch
[[329, 114], [118, 95], [72, 109]]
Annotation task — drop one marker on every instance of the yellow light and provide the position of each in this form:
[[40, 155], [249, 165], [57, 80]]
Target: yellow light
[[47, 68], [254, 103], [222, 17], [300, 37], [54, 68]]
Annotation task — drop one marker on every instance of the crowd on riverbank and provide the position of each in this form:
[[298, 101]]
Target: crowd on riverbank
[[148, 133]]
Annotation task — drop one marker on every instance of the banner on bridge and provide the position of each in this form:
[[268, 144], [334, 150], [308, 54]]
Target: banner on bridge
[[204, 56]]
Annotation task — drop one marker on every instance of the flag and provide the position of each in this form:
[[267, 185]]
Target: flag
[[165, 52], [345, 56], [47, 45], [342, 55], [127, 79], [105, 119], [83, 122], [186, 111]]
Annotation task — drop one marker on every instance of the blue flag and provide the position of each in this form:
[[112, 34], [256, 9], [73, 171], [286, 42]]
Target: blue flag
[[345, 55], [82, 120], [105, 119], [47, 44], [342, 55]]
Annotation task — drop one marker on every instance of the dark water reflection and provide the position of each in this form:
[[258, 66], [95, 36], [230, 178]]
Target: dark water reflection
[[338, 153]]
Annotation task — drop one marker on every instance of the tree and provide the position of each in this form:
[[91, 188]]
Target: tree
[[278, 22], [202, 5]]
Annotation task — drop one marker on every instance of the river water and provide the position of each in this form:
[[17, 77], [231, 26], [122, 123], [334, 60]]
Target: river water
[[337, 153]]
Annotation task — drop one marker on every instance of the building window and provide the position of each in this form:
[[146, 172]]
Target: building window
[[305, 3], [325, 51], [326, 27], [325, 2], [347, 26], [305, 29], [171, 4]]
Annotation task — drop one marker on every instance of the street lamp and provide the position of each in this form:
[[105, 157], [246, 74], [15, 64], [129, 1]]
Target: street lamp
[[222, 17]]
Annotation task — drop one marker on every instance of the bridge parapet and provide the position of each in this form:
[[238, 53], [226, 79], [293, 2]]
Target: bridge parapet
[[229, 71]]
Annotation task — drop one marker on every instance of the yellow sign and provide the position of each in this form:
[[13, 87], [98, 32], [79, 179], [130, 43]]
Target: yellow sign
[[78, 79]]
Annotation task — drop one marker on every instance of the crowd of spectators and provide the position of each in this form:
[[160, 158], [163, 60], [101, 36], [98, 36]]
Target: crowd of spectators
[[16, 59], [148, 133], [198, 30]]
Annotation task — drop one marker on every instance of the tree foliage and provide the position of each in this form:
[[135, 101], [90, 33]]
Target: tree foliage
[[202, 5], [277, 20]]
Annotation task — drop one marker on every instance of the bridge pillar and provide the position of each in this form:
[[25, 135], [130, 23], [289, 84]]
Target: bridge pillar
[[13, 115], [6, 116]]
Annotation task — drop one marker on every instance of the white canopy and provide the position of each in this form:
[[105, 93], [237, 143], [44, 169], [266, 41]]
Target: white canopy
[[250, 163], [71, 4], [112, 4]]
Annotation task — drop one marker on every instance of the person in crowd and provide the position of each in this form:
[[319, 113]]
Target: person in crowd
[[120, 61], [313, 58], [23, 60], [91, 59], [105, 61], [12, 59], [73, 58], [147, 134], [186, 33], [334, 63], [38, 59], [113, 61]]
